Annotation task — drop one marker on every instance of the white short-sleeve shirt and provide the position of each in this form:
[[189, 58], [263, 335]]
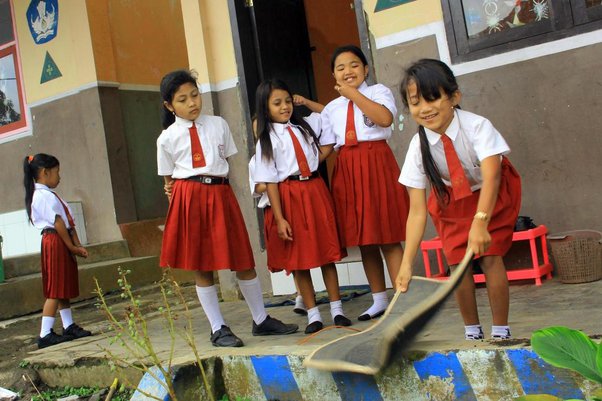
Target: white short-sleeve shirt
[[174, 155], [45, 206], [334, 117], [284, 163], [474, 139], [263, 197]]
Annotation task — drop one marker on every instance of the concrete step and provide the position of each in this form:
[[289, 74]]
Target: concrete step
[[25, 292], [30, 264]]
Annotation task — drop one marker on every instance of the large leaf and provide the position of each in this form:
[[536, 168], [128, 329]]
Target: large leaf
[[537, 397], [567, 348]]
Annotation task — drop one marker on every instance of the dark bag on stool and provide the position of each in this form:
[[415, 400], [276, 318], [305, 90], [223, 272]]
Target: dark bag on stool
[[524, 223]]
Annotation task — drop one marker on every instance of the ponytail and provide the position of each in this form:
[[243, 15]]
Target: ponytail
[[31, 172], [431, 170]]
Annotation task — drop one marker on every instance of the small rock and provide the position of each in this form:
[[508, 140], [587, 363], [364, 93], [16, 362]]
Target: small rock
[[7, 395], [69, 398]]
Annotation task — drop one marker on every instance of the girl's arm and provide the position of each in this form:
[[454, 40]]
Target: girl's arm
[[285, 231], [61, 229], [260, 187], [77, 243], [325, 151], [479, 238], [414, 232], [378, 113], [299, 100], [168, 185]]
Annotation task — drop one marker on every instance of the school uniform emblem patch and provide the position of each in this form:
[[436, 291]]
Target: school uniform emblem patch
[[368, 122]]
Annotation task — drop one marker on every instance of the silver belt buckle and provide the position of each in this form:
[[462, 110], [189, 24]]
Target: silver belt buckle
[[206, 180], [301, 178]]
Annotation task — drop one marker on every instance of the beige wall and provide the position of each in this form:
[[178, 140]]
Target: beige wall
[[402, 17]]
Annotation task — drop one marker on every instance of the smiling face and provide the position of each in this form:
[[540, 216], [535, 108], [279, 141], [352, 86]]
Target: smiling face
[[280, 106], [186, 102], [349, 69], [436, 114]]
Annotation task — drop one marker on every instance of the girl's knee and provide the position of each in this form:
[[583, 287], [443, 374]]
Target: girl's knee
[[246, 274], [203, 278]]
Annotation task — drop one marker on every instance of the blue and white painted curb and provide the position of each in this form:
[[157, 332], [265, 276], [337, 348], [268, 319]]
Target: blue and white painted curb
[[467, 375]]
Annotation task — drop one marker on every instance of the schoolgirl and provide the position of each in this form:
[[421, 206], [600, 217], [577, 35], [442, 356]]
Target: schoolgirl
[[60, 244], [299, 225], [475, 191], [204, 229], [371, 208]]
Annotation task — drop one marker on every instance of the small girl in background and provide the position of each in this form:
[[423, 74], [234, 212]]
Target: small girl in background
[[60, 243], [204, 229], [475, 191], [299, 225], [371, 207]]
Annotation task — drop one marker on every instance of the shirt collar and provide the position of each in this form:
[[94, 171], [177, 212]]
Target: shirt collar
[[279, 128], [187, 123], [41, 186], [451, 131]]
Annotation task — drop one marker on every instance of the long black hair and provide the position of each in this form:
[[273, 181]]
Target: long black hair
[[169, 86], [431, 78], [32, 165], [264, 123]]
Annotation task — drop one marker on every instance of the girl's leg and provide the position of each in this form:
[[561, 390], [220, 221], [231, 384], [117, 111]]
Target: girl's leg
[[498, 293], [467, 302], [70, 328], [374, 269], [263, 324], [393, 254], [48, 314], [299, 308], [331, 279], [306, 287]]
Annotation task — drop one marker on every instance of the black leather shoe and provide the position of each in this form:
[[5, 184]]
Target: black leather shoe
[[51, 339], [341, 320], [225, 338], [367, 316], [76, 332], [272, 327], [314, 327]]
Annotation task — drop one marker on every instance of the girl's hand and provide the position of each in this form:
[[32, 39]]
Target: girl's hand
[[168, 188], [80, 251], [345, 90], [285, 232], [479, 238], [404, 276], [299, 100]]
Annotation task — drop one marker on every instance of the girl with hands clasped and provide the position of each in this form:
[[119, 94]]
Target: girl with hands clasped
[[475, 191], [204, 229], [60, 244], [371, 207], [299, 224]]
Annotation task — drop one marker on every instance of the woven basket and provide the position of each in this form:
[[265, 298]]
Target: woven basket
[[577, 255]]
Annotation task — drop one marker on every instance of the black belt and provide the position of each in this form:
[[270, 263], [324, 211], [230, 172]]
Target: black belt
[[53, 231], [206, 179], [302, 178]]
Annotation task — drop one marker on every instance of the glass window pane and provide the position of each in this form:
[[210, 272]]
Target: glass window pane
[[10, 108], [6, 23], [487, 17]]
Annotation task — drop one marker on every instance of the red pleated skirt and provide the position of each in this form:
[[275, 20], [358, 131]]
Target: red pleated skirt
[[453, 222], [371, 206], [59, 269], [307, 206], [205, 229]]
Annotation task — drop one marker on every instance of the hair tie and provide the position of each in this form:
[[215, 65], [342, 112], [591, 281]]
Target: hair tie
[[29, 159]]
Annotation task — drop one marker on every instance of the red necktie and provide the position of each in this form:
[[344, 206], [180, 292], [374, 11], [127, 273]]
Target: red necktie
[[460, 184], [198, 158], [69, 218], [301, 159], [350, 134]]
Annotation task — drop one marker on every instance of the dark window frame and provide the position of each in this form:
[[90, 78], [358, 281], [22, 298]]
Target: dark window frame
[[11, 48], [567, 18]]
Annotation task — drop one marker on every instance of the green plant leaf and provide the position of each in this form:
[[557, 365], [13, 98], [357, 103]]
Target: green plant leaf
[[567, 348], [599, 359], [538, 397]]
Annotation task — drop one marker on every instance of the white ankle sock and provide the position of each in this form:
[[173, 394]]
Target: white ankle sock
[[502, 332], [47, 324], [336, 308], [313, 315], [379, 303], [299, 304], [210, 303], [66, 317], [251, 290], [473, 332]]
